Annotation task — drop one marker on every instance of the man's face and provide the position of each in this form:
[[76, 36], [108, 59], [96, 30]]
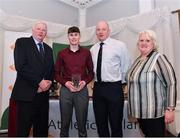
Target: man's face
[[74, 38], [102, 31], [39, 31]]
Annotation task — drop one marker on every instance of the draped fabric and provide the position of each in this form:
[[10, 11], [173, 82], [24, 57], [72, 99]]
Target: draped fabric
[[125, 29]]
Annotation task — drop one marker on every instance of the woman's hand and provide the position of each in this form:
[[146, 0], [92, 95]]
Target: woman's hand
[[169, 116]]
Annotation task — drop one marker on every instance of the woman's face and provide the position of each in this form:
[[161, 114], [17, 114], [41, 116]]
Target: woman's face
[[145, 44]]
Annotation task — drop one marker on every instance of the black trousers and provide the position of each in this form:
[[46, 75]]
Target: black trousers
[[108, 104], [152, 127], [24, 115]]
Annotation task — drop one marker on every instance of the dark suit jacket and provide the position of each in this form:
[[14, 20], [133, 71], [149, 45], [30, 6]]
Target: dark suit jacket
[[31, 69]]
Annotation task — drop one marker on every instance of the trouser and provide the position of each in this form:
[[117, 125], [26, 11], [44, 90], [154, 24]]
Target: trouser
[[152, 127], [108, 104], [78, 100], [24, 115]]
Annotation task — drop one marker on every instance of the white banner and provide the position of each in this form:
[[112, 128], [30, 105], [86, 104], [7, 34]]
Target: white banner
[[129, 129], [9, 73]]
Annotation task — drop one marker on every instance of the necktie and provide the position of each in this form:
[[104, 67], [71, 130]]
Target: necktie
[[99, 60], [41, 50]]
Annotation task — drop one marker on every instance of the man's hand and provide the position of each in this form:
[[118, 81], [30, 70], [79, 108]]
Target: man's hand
[[81, 85], [44, 85], [39, 90], [70, 86]]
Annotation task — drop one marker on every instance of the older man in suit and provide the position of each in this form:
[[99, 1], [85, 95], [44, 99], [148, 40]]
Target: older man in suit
[[29, 102]]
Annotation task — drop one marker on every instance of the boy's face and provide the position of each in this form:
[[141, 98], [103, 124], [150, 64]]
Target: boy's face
[[74, 38]]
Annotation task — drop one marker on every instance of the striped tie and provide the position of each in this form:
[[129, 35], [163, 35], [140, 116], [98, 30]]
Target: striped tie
[[41, 50]]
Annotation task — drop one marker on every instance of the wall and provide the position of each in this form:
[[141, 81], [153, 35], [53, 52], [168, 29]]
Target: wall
[[49, 10], [58, 12], [1, 66], [111, 10], [174, 5]]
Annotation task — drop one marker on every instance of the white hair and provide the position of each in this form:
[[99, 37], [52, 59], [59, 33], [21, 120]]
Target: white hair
[[39, 22], [152, 36]]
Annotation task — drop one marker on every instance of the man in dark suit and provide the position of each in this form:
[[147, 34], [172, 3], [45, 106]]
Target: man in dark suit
[[29, 102]]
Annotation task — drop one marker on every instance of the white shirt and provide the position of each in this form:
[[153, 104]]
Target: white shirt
[[115, 60], [37, 44]]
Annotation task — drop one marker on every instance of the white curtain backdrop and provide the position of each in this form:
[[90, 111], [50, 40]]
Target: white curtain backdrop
[[124, 29]]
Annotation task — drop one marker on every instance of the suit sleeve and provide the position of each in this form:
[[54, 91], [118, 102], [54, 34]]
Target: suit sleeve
[[50, 70], [22, 65]]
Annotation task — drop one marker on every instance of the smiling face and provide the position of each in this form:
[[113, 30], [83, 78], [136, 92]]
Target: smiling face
[[145, 44], [39, 31], [74, 38], [102, 31]]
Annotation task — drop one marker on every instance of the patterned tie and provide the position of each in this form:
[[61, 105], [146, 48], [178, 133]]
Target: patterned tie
[[41, 50], [99, 60]]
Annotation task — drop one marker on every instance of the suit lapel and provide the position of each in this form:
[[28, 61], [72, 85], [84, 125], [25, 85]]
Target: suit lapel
[[45, 51]]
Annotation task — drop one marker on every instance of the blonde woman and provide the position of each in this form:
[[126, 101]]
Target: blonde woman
[[151, 87]]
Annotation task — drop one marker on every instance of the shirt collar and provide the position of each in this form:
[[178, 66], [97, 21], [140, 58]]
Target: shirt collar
[[150, 53], [75, 51], [105, 41], [37, 41]]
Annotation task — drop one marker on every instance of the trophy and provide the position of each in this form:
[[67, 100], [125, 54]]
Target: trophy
[[76, 79]]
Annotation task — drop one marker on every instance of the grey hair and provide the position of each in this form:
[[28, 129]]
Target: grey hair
[[39, 22], [152, 36]]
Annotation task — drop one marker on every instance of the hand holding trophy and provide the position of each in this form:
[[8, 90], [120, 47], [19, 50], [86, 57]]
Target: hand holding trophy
[[76, 78]]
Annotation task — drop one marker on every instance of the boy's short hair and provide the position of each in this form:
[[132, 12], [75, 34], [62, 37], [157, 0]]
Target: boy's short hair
[[73, 29]]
